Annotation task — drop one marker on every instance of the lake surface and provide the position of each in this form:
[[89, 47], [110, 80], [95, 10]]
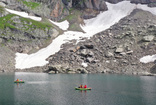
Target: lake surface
[[58, 89]]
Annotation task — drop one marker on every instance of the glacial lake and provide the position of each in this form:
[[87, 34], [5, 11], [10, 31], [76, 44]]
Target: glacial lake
[[58, 89]]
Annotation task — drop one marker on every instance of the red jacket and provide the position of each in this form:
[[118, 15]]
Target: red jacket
[[85, 86]]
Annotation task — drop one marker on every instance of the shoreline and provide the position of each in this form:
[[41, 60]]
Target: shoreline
[[121, 73]]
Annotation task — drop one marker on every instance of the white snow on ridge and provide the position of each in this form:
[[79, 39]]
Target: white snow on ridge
[[63, 25], [92, 26], [108, 18], [146, 8], [23, 14]]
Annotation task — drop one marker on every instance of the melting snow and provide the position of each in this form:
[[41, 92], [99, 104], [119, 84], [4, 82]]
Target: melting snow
[[84, 64], [148, 58], [92, 26], [23, 14], [63, 25]]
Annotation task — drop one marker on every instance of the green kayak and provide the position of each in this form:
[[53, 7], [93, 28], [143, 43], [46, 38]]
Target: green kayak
[[18, 81], [76, 88]]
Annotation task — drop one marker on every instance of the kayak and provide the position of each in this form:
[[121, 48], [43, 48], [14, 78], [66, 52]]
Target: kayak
[[76, 88], [18, 81]]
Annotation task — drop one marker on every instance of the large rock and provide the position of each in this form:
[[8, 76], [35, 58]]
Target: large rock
[[148, 38], [84, 71], [113, 1], [119, 50], [109, 54], [153, 69], [2, 4]]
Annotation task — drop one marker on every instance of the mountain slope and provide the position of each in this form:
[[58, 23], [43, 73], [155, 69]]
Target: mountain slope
[[116, 50]]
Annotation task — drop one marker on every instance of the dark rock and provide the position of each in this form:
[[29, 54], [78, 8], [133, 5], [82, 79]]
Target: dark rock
[[113, 1], [84, 71], [89, 59], [153, 69], [89, 46]]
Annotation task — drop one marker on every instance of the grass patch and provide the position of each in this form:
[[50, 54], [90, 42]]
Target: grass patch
[[32, 5], [6, 21], [74, 20], [35, 24], [1, 9], [23, 24]]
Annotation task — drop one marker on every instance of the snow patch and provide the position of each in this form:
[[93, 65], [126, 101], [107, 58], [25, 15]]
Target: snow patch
[[39, 58], [148, 58], [23, 14], [108, 18], [146, 8], [63, 25], [84, 64]]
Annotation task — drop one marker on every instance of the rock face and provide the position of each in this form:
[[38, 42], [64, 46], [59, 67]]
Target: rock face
[[19, 34], [58, 9], [116, 50], [151, 3], [90, 7]]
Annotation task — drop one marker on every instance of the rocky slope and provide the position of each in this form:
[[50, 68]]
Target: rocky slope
[[116, 50], [19, 34]]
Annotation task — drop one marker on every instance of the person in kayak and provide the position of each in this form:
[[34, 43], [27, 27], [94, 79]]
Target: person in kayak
[[81, 86], [85, 86]]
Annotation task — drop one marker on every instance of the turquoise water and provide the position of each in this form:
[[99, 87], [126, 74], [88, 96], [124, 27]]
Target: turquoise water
[[58, 89]]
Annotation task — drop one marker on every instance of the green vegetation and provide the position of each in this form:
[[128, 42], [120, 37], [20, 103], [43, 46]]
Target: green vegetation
[[6, 21], [28, 23], [32, 5], [74, 20], [1, 9]]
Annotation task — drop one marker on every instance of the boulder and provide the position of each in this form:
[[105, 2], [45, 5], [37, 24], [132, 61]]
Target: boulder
[[148, 38], [119, 50], [153, 69], [83, 52], [89, 46], [109, 54], [2, 4], [84, 71], [89, 59], [113, 1], [53, 72]]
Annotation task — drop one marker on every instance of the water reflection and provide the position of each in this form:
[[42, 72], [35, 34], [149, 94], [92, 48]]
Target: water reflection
[[148, 89], [45, 89], [6, 88]]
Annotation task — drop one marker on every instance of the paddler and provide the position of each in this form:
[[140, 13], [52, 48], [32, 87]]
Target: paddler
[[85, 86], [81, 86]]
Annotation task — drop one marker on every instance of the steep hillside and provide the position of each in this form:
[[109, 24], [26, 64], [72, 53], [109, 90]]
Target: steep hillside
[[116, 50], [18, 34]]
